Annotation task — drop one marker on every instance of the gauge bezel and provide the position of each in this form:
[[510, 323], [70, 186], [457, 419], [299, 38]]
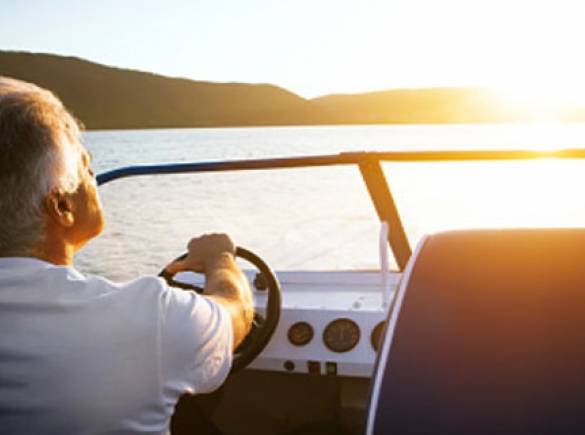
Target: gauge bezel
[[348, 343], [306, 340]]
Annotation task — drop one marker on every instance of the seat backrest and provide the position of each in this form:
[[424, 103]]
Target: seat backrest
[[487, 336]]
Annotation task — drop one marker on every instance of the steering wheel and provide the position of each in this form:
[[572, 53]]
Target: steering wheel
[[262, 327]]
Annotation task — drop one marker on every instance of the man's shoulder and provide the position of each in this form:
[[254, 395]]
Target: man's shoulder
[[37, 276]]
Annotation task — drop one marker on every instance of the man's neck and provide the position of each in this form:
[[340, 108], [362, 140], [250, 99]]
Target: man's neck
[[54, 250], [56, 258]]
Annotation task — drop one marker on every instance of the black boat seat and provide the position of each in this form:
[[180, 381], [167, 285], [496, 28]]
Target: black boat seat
[[487, 336]]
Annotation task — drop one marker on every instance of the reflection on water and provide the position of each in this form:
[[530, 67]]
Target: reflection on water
[[320, 218]]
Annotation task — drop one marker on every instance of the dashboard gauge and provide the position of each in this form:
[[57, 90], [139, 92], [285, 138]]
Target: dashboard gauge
[[341, 335], [376, 337], [300, 333]]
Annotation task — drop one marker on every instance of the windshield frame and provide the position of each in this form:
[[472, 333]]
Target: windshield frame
[[371, 170]]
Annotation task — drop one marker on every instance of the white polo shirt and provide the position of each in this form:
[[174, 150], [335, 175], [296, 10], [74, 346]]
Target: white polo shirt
[[85, 355]]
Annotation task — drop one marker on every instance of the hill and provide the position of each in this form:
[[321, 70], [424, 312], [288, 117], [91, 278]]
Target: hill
[[106, 98]]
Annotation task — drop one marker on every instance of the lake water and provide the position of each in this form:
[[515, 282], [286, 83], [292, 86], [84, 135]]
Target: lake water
[[320, 218]]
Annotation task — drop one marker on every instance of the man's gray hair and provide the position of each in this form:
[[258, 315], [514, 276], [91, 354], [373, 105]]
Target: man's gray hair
[[36, 156]]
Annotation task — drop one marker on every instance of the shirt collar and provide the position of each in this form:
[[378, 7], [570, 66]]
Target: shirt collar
[[23, 263]]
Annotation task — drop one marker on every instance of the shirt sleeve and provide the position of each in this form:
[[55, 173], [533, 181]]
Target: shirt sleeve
[[195, 343]]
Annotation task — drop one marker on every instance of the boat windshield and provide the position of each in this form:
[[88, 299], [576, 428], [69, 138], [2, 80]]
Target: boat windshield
[[323, 217]]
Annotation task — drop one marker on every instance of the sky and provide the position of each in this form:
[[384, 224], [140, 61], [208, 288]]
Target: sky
[[531, 48]]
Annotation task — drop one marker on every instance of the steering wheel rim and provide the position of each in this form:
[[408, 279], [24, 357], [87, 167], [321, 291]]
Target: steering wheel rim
[[263, 327]]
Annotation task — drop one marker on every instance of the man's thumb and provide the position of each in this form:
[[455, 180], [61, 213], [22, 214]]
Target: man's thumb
[[175, 267]]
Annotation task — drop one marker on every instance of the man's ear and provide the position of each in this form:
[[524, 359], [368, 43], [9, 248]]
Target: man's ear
[[59, 208]]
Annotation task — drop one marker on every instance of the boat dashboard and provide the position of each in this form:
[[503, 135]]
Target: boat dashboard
[[330, 322]]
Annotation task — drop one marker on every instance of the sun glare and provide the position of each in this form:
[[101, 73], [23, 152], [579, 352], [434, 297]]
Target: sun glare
[[545, 101], [538, 193]]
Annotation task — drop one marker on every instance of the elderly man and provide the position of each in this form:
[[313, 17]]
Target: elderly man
[[85, 355]]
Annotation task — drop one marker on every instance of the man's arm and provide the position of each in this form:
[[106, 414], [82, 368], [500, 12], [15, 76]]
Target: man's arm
[[225, 283]]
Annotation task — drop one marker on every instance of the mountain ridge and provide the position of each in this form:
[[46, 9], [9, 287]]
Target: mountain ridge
[[106, 97]]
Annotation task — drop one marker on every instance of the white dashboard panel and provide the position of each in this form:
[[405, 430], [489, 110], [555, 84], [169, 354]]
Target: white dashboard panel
[[319, 298]]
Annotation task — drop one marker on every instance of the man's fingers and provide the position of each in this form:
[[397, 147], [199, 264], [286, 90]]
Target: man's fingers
[[203, 251]]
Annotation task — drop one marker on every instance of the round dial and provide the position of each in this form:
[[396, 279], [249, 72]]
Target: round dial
[[376, 337], [341, 335], [300, 333]]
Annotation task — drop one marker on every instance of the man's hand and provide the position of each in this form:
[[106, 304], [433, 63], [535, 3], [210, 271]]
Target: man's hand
[[203, 253]]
